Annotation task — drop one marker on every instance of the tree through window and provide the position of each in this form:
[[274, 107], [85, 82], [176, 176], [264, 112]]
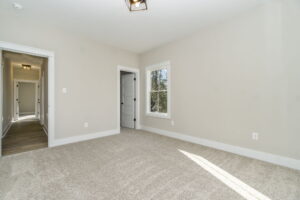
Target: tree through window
[[158, 94]]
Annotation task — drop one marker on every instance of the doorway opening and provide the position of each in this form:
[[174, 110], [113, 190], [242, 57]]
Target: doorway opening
[[26, 100], [128, 98], [24, 104]]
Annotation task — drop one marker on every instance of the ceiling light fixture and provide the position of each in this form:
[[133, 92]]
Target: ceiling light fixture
[[136, 5], [17, 6], [26, 67]]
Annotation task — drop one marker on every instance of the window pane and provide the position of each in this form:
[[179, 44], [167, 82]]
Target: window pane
[[163, 102], [163, 79], [154, 102], [154, 80]]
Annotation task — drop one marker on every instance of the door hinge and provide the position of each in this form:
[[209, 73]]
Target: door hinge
[[134, 119], [134, 99], [134, 79]]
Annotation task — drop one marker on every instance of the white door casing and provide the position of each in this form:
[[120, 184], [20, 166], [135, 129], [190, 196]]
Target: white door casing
[[38, 100], [16, 100], [1, 98], [42, 99], [136, 71], [51, 82], [128, 100]]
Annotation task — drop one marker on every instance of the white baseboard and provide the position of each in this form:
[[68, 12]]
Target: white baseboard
[[6, 129], [259, 155], [27, 113], [81, 138]]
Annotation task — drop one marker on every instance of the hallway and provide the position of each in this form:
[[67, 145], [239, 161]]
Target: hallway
[[24, 135]]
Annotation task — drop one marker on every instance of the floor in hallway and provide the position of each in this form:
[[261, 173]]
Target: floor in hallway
[[24, 135]]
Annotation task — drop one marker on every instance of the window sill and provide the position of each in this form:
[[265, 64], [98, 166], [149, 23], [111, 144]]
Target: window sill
[[159, 115]]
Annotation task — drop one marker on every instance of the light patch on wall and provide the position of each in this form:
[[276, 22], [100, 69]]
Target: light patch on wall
[[17, 6], [235, 184]]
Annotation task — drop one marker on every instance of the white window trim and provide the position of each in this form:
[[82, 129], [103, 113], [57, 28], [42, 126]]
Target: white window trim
[[163, 65]]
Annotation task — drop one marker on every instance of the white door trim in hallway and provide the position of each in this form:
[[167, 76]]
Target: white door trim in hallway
[[16, 96]]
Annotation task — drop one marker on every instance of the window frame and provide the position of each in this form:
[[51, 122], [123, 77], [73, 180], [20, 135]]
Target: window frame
[[164, 65]]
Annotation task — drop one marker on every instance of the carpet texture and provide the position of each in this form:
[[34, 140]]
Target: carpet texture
[[137, 165]]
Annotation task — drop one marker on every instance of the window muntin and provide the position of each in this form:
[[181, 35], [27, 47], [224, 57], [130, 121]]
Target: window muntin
[[158, 92]]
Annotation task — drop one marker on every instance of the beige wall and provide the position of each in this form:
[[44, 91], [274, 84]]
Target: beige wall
[[22, 74], [235, 78], [7, 93], [292, 62], [85, 67]]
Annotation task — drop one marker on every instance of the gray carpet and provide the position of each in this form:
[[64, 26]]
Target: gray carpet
[[137, 165]]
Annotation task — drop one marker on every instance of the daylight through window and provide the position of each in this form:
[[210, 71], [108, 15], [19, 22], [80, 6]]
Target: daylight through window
[[158, 90]]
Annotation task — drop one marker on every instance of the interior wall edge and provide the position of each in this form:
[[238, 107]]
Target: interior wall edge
[[6, 129]]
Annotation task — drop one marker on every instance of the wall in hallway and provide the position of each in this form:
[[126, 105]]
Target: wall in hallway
[[44, 114], [23, 74], [7, 93]]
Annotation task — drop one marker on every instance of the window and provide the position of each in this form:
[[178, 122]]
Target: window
[[158, 90]]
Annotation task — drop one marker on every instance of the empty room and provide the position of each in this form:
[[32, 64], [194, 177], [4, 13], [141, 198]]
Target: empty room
[[150, 99]]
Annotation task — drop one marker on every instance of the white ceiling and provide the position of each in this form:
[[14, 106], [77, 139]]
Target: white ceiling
[[109, 21]]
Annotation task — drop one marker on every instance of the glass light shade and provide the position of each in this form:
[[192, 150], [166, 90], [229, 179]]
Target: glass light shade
[[136, 5], [26, 67]]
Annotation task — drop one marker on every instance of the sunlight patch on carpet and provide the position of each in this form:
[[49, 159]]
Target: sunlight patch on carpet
[[234, 183]]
